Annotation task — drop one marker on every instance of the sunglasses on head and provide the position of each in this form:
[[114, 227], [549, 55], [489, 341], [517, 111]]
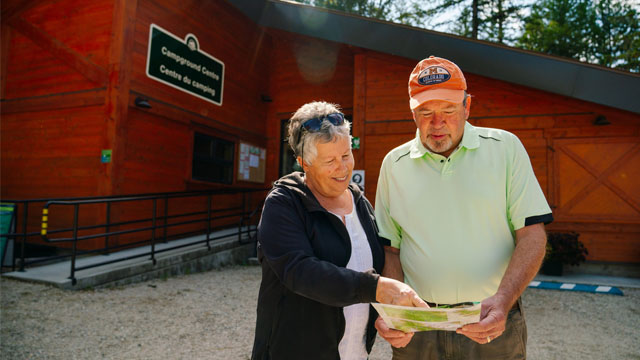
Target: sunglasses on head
[[315, 124]]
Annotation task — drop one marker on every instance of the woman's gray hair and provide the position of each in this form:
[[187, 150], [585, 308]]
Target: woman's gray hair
[[327, 132]]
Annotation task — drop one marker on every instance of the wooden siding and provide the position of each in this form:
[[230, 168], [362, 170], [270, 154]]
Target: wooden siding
[[304, 69], [52, 118], [231, 38], [71, 71], [606, 186]]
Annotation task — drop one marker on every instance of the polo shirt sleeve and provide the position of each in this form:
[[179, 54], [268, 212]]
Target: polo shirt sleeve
[[525, 199], [387, 227]]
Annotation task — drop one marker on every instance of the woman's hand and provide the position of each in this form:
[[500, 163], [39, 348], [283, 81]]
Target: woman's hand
[[396, 338], [394, 292]]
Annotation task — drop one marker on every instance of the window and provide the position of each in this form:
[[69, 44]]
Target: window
[[288, 163], [212, 159]]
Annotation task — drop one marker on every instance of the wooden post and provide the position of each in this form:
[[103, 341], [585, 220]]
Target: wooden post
[[359, 115], [117, 101], [117, 97], [4, 55]]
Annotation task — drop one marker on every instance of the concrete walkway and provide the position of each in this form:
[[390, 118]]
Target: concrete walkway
[[226, 250], [130, 265]]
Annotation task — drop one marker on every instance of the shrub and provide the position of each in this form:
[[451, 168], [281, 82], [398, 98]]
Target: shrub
[[565, 248]]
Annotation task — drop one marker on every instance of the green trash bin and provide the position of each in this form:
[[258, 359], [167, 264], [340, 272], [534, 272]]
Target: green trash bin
[[7, 212]]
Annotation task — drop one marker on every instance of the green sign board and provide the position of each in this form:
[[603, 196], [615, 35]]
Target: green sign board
[[182, 65], [355, 143], [106, 156]]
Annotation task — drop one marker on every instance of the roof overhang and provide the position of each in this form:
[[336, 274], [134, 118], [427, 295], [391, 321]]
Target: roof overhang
[[557, 75]]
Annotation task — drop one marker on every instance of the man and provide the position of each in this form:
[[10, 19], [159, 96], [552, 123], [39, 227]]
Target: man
[[465, 218]]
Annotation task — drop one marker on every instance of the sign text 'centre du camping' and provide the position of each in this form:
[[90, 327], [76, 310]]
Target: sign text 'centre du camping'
[[182, 65]]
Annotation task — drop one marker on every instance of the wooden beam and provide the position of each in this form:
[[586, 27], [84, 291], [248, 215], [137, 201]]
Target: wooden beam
[[60, 50], [359, 108], [13, 9], [4, 55], [117, 95], [83, 98]]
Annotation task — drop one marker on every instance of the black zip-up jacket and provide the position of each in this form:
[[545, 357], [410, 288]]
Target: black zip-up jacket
[[303, 250]]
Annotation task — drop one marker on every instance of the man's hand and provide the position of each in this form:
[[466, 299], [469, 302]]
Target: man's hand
[[396, 338], [394, 292], [493, 319], [524, 263]]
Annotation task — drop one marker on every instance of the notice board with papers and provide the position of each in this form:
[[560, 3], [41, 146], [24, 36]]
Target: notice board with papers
[[251, 163]]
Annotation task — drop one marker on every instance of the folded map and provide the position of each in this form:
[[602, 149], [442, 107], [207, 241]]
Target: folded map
[[412, 319]]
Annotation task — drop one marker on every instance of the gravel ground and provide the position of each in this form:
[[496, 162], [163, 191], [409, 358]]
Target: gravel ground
[[212, 316]]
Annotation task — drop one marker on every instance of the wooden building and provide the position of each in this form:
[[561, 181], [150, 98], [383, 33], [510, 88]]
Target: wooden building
[[91, 105]]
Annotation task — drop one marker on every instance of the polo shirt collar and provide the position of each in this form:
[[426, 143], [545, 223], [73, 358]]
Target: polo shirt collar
[[470, 138], [469, 141]]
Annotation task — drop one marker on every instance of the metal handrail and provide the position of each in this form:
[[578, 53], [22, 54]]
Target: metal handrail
[[246, 212]]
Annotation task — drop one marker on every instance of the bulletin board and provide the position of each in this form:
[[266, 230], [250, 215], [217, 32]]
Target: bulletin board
[[252, 161]]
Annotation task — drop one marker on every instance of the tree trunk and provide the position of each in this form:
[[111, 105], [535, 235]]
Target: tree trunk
[[474, 21]]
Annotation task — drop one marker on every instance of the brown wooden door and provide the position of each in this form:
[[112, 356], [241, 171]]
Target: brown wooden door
[[597, 179]]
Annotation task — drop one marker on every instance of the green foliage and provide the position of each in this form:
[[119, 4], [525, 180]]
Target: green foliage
[[606, 32], [565, 248], [557, 27], [378, 9], [617, 35], [495, 20]]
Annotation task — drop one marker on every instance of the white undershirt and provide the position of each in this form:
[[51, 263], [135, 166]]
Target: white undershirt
[[352, 346]]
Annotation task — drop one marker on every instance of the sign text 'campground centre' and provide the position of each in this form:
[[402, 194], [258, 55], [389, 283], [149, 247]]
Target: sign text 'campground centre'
[[182, 65]]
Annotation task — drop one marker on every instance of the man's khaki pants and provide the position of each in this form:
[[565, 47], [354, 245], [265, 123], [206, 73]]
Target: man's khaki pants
[[432, 345]]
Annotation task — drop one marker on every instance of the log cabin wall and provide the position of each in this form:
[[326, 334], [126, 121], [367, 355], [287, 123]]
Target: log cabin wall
[[589, 173], [304, 69], [54, 90], [71, 71], [166, 130]]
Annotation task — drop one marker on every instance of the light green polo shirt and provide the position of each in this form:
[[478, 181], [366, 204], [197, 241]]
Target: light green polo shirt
[[454, 219]]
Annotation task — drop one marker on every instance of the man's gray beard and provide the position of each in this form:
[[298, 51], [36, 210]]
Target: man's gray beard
[[440, 146]]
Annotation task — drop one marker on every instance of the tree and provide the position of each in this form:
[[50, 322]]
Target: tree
[[616, 35], [408, 12], [558, 27], [606, 32], [378, 9], [484, 19], [481, 19]]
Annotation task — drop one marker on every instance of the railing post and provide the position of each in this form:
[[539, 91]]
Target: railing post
[[108, 229], [75, 244], [208, 220], [24, 234], [244, 195], [15, 239], [153, 231], [166, 218]]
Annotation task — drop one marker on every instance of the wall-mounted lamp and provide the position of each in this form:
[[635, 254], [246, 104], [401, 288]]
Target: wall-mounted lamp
[[601, 120], [142, 103], [266, 98]]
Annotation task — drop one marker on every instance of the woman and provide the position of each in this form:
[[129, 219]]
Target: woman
[[320, 251]]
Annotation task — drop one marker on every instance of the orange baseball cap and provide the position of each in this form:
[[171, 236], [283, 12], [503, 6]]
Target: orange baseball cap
[[436, 78]]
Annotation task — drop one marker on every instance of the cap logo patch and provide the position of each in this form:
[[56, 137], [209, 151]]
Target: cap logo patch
[[433, 75]]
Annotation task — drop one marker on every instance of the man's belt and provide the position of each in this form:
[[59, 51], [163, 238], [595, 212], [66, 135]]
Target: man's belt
[[463, 304]]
